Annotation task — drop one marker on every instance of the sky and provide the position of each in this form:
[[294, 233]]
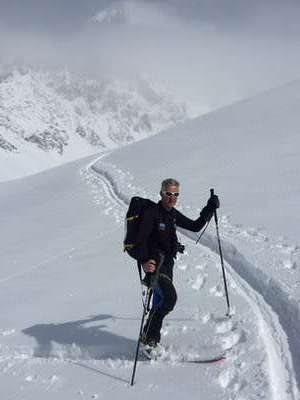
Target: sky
[[69, 15], [207, 51], [46, 16]]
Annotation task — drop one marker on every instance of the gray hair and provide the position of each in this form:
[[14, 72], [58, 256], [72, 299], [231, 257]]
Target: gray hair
[[169, 182]]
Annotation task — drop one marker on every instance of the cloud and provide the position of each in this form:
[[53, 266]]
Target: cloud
[[209, 52]]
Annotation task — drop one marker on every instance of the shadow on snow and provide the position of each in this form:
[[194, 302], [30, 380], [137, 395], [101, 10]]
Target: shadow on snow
[[77, 340]]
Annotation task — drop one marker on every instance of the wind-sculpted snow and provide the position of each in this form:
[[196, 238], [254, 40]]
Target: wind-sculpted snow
[[249, 153], [276, 291], [71, 302]]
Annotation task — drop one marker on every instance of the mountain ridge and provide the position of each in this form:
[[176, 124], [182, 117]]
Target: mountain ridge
[[64, 116]]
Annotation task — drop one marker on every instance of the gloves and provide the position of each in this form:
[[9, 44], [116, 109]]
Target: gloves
[[213, 202], [180, 248], [208, 211]]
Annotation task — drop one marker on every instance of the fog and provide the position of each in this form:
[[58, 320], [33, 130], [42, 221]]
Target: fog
[[209, 53]]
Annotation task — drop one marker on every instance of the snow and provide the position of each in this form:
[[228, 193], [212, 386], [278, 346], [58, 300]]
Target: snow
[[248, 152], [51, 117], [71, 300]]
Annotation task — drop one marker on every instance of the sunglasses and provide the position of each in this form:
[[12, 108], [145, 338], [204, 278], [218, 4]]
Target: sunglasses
[[169, 194]]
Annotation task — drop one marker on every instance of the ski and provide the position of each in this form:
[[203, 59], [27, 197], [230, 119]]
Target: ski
[[162, 355], [208, 360]]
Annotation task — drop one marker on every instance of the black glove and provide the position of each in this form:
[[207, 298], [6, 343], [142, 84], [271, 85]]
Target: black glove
[[180, 248], [208, 211], [213, 202]]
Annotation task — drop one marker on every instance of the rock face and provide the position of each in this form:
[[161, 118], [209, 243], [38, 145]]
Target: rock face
[[5, 145], [58, 111]]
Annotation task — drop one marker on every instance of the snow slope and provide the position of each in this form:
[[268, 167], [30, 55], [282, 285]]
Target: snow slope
[[249, 153], [71, 302], [71, 305], [50, 117]]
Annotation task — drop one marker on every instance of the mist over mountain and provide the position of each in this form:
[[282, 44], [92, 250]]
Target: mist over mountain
[[210, 53], [70, 16], [61, 116]]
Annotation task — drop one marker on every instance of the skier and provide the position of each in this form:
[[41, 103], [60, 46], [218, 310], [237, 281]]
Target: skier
[[156, 239]]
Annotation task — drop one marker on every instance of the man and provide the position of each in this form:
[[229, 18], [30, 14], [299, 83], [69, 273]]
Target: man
[[158, 245]]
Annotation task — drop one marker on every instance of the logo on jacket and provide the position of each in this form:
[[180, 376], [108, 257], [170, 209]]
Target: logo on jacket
[[162, 226]]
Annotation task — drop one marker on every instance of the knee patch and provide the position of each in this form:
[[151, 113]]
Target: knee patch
[[171, 301], [170, 295]]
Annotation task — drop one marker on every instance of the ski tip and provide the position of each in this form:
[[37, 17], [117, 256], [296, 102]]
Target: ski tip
[[214, 360]]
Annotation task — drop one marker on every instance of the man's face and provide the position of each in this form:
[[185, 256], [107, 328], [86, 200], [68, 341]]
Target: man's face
[[170, 196]]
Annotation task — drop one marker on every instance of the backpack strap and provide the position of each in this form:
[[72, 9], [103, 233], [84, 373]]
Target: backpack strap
[[139, 265]]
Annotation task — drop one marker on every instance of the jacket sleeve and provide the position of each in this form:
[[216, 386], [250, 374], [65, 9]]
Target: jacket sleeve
[[187, 223], [143, 238]]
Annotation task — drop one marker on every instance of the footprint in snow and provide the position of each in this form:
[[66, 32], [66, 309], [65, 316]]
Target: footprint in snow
[[226, 377], [198, 283], [182, 267], [199, 316], [229, 379], [232, 339], [199, 266], [31, 378], [217, 291], [165, 331], [289, 264], [205, 318], [224, 327]]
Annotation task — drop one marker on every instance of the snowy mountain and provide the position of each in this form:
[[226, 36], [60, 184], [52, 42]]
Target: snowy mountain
[[58, 116], [71, 299]]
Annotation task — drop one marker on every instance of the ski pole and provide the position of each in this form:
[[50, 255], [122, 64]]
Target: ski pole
[[146, 307], [145, 312], [221, 257]]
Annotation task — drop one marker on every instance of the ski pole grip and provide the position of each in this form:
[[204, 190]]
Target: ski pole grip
[[212, 192]]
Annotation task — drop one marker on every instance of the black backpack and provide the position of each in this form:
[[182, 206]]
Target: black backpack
[[134, 215]]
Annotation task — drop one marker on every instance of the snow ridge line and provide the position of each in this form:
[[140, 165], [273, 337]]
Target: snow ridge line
[[280, 367], [287, 310], [285, 307]]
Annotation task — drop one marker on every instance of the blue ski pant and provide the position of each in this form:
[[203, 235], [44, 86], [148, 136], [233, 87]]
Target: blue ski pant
[[163, 301]]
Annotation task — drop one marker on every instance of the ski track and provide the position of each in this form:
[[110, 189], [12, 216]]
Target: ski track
[[274, 317]]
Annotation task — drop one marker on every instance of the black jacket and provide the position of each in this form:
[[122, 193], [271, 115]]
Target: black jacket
[[157, 232]]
